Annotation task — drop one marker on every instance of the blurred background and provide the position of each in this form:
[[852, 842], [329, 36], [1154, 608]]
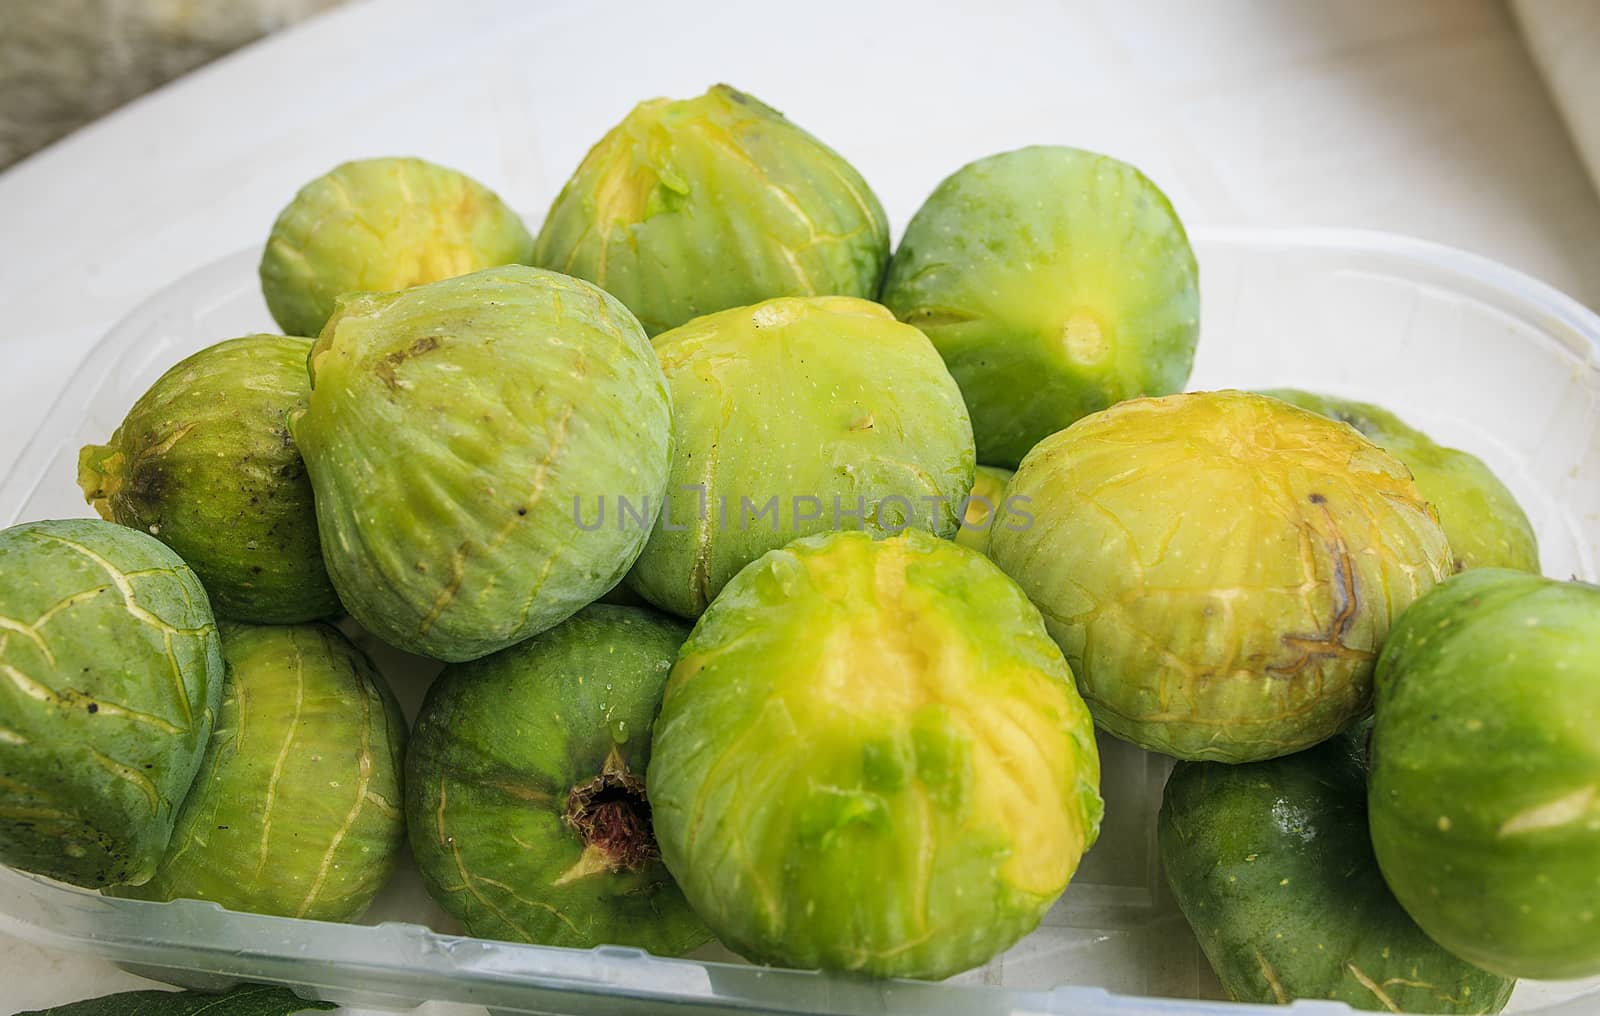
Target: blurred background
[[64, 63]]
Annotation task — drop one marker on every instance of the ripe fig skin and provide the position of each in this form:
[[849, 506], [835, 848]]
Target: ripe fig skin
[[1051, 271], [1486, 526], [110, 680], [1485, 788], [502, 747], [827, 408], [1272, 864], [870, 758], [204, 463], [378, 225], [699, 205], [1220, 568], [984, 507], [296, 810], [453, 433]]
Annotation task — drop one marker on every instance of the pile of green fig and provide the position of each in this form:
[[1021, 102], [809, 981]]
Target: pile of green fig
[[782, 580]]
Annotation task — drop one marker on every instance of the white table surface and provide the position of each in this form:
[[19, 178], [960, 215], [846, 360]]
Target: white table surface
[[1424, 117]]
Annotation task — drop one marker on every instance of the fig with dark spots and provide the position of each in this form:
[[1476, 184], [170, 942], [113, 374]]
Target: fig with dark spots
[[1148, 513], [1486, 526], [1273, 867], [296, 810], [694, 206], [871, 758], [1485, 789], [377, 225], [449, 433], [110, 678], [201, 462], [1054, 282], [525, 793]]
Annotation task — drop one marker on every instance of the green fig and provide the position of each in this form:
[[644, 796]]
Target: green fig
[[1053, 272], [698, 205], [1485, 789], [296, 809], [871, 758], [377, 225], [1272, 864], [455, 436], [525, 788], [1486, 526], [798, 416], [204, 463], [1219, 568], [110, 679]]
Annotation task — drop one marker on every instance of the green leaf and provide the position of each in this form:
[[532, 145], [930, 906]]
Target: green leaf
[[245, 1000]]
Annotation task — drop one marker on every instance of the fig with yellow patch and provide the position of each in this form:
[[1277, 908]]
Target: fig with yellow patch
[[871, 758]]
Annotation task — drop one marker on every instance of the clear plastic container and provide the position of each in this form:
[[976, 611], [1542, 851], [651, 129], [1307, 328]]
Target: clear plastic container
[[1477, 355]]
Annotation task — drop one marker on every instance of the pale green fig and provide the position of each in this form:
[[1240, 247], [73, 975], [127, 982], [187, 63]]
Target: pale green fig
[[1219, 568], [205, 464], [798, 416], [377, 225], [694, 206], [871, 758], [457, 435], [296, 810], [110, 680]]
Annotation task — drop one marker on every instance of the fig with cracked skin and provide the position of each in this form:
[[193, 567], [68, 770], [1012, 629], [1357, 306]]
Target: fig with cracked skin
[[205, 464], [110, 678], [1486, 526], [454, 433], [296, 809], [799, 416], [1220, 568], [871, 758], [525, 792], [1053, 272], [694, 206], [377, 225]]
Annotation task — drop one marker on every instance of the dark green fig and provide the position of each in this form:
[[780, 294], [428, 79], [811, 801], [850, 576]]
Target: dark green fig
[[457, 435], [1219, 568], [525, 788], [1272, 865], [377, 225], [1055, 283], [110, 679], [792, 417], [694, 206], [296, 810], [1485, 789], [871, 758], [204, 463], [983, 507], [1486, 526]]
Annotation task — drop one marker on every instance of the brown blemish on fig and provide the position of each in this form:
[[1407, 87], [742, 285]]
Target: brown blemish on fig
[[386, 367]]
